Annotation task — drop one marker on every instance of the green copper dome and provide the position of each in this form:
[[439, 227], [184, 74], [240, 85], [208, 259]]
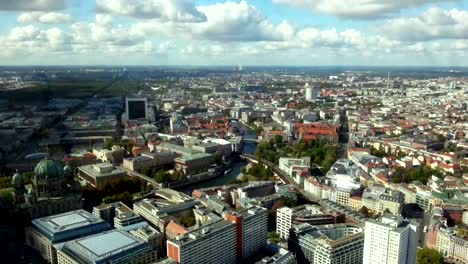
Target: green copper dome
[[67, 169], [17, 179], [48, 169]]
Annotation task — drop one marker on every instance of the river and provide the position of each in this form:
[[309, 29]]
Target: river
[[249, 148]]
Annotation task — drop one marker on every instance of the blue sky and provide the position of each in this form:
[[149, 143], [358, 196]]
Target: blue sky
[[235, 32]]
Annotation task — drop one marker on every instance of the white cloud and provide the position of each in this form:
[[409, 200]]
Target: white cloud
[[166, 10], [44, 17], [433, 24], [226, 22], [357, 9], [32, 5], [231, 21]]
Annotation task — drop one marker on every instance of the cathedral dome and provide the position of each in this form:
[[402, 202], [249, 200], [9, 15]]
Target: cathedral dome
[[67, 170], [48, 169], [17, 179]]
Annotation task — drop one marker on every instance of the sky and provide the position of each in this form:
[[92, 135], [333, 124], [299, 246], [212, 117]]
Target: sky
[[234, 32]]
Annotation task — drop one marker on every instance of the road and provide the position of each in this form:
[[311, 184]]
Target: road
[[349, 213], [285, 177]]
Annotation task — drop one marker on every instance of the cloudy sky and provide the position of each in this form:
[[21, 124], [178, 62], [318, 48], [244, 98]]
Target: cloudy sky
[[234, 32]]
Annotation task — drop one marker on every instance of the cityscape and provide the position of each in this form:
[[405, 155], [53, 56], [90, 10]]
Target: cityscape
[[265, 132]]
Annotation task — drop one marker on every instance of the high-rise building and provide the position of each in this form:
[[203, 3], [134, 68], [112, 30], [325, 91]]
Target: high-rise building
[[212, 243], [284, 216], [390, 240], [327, 244], [311, 93], [136, 108], [252, 232]]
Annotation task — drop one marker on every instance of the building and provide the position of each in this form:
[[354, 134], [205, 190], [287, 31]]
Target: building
[[213, 243], [117, 214], [390, 240], [113, 156], [253, 189], [53, 190], [311, 93], [327, 244], [282, 256], [149, 160], [158, 213], [114, 246], [193, 164], [136, 108], [287, 217], [380, 199], [151, 236], [252, 232], [99, 174], [297, 169], [46, 232], [315, 131]]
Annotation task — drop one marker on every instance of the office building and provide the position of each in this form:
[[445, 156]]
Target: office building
[[151, 236], [136, 108], [286, 217], [45, 233], [158, 212], [282, 256], [212, 243], [99, 174], [252, 230], [327, 244], [114, 246], [117, 214], [390, 240]]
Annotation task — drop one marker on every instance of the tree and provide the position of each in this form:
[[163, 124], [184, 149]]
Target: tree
[[162, 176], [187, 220], [273, 237], [278, 139], [429, 256], [364, 211], [217, 159]]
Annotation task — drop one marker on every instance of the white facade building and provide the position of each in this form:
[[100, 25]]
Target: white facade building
[[390, 240], [284, 217]]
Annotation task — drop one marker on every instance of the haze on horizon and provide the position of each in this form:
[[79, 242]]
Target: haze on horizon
[[235, 32]]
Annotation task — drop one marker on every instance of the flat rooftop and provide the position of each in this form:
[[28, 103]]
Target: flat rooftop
[[69, 225], [101, 246], [106, 172], [201, 232]]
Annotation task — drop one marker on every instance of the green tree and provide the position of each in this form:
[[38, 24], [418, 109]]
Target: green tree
[[273, 237], [162, 176], [125, 197], [217, 158], [187, 220], [278, 139], [364, 211], [429, 256]]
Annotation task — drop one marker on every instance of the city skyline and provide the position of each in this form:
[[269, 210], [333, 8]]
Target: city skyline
[[209, 32]]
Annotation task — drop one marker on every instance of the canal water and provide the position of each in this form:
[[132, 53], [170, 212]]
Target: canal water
[[249, 148]]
